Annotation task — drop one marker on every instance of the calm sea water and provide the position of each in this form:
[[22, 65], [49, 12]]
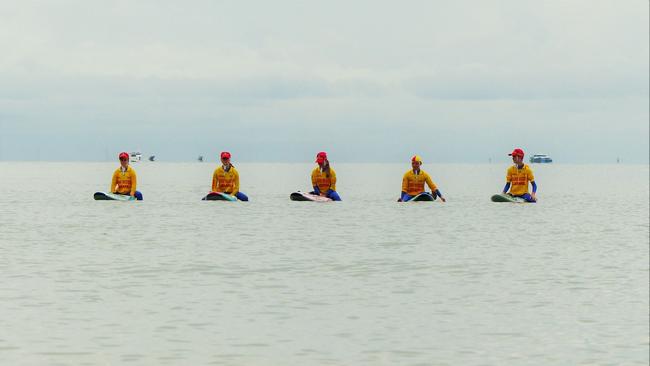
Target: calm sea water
[[173, 280]]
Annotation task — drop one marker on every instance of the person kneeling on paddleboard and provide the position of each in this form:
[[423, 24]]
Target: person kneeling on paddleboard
[[323, 178], [413, 182], [226, 178], [124, 179], [518, 176]]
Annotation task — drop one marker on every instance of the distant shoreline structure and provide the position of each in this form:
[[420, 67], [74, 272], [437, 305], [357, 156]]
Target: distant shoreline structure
[[135, 157], [541, 159], [477, 163]]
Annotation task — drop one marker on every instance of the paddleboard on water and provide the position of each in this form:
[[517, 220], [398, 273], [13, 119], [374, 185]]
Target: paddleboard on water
[[422, 197], [304, 196], [219, 196], [503, 197], [103, 196]]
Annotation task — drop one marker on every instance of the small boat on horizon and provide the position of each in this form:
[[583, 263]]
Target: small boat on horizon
[[135, 157], [541, 158]]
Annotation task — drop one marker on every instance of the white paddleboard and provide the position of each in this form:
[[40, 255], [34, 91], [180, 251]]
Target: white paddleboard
[[304, 196], [104, 196]]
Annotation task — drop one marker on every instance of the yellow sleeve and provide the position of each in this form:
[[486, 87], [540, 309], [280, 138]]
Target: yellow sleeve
[[508, 176], [113, 182], [235, 187], [332, 179], [214, 181], [531, 176], [134, 182], [405, 182], [313, 177], [430, 183]]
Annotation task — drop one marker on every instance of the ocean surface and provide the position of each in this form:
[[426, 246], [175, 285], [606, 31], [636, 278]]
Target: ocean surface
[[174, 280]]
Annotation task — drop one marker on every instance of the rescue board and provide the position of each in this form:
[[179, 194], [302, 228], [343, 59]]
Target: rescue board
[[422, 197], [504, 197], [304, 196], [219, 196], [103, 196]]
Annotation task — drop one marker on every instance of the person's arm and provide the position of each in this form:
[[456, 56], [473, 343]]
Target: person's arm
[[214, 181], [332, 180], [508, 181], [437, 192], [405, 183], [434, 188], [235, 187], [534, 194], [314, 182], [531, 178], [313, 178], [134, 183], [429, 182], [113, 183]]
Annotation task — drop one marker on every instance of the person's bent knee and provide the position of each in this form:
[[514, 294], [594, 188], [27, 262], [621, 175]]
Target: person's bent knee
[[241, 196], [138, 195], [333, 195], [528, 197], [406, 197]]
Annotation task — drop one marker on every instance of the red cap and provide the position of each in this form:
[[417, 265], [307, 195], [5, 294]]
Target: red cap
[[321, 156], [517, 152], [123, 155], [225, 155]]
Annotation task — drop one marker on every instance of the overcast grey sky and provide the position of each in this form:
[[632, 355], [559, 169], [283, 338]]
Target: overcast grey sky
[[367, 81]]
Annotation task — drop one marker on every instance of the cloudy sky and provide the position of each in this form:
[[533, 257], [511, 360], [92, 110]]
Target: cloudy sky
[[367, 81]]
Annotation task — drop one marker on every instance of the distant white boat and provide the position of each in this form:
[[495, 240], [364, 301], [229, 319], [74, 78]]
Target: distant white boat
[[200, 159], [135, 157], [541, 158]]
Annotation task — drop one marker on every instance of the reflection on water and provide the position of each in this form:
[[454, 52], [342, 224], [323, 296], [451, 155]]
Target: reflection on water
[[174, 280]]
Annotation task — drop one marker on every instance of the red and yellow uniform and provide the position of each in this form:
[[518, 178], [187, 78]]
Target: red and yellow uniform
[[225, 181], [519, 179], [124, 181], [413, 184], [319, 179]]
